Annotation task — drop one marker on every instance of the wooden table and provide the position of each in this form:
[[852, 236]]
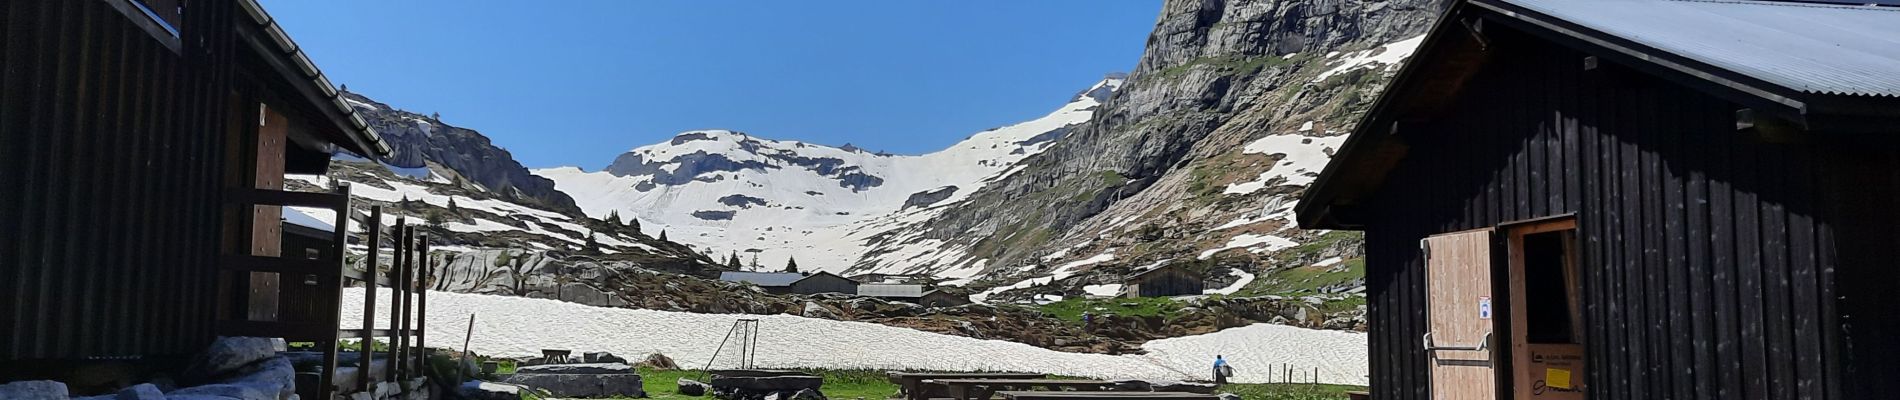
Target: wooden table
[[1021, 395], [910, 384], [980, 389]]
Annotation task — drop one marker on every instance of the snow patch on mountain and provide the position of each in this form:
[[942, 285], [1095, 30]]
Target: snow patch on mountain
[[730, 192], [1387, 56]]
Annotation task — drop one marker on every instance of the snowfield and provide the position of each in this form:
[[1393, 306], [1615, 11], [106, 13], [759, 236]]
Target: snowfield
[[521, 327], [767, 206]]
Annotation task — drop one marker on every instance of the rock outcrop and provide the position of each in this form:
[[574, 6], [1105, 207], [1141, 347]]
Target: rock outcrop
[[417, 140]]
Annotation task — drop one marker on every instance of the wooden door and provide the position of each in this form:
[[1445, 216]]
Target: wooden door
[[1546, 315], [1458, 342]]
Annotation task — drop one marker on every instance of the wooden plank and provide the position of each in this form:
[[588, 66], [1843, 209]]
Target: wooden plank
[[400, 231], [279, 265], [284, 198], [1680, 329], [1459, 275], [1029, 395], [267, 228], [1696, 230], [291, 331], [370, 279], [1748, 270], [1803, 271], [1776, 325], [1722, 277]]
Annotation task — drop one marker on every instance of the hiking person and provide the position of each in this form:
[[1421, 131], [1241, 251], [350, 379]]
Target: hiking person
[[1221, 370]]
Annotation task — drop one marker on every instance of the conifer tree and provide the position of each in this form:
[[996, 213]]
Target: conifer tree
[[791, 265], [592, 246], [662, 235], [452, 208]]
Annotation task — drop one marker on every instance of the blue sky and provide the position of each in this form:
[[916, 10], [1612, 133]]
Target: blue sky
[[577, 82]]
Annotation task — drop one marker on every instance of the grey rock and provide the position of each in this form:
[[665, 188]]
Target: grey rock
[[1190, 387], [768, 383], [224, 391], [414, 143], [273, 376], [808, 394], [691, 387], [481, 390], [588, 369], [602, 357], [581, 385], [227, 354], [33, 390], [143, 391], [1229, 396]]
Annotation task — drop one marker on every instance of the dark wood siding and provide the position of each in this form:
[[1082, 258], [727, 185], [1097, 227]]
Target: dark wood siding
[[109, 179], [825, 283], [1709, 255], [1169, 281]]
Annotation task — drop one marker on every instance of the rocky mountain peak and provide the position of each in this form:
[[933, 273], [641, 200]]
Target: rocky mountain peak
[[417, 141]]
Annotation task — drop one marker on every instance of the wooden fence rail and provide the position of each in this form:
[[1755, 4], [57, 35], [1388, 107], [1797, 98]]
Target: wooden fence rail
[[331, 274]]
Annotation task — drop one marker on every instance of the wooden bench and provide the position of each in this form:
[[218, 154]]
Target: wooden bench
[[981, 389], [910, 384], [1023, 395]]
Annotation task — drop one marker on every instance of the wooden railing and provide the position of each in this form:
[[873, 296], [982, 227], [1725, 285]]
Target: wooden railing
[[331, 273]]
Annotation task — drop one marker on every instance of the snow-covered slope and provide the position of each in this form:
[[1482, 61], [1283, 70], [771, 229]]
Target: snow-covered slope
[[520, 327], [725, 191]]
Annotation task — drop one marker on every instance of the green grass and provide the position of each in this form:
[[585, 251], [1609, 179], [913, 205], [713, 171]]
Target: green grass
[[1071, 309], [1288, 391], [870, 384], [839, 384], [1113, 179]]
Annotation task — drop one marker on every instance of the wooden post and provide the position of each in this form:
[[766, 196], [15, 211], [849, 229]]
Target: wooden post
[[406, 286], [368, 335], [422, 301], [340, 245], [395, 270], [465, 339]]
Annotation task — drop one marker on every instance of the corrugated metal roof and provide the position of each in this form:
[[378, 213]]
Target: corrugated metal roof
[[890, 290], [768, 279], [1814, 48]]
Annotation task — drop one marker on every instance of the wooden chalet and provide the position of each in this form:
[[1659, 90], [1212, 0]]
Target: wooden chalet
[[824, 282], [1632, 199], [146, 147], [940, 298], [1172, 279]]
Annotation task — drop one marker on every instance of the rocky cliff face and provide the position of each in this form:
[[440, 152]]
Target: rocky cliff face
[[418, 140], [1234, 106]]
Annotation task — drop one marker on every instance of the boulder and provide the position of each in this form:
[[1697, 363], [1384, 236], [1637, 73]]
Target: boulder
[[586, 369], [581, 385], [143, 391], [691, 387], [659, 361], [33, 390], [602, 358], [1190, 387], [224, 391], [1229, 396], [274, 376], [808, 394], [480, 390], [815, 310], [227, 354], [768, 383]]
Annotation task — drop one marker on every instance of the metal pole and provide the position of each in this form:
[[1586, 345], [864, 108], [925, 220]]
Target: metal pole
[[465, 338], [715, 355]]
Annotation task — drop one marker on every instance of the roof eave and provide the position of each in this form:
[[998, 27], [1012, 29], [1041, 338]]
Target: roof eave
[[283, 55]]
